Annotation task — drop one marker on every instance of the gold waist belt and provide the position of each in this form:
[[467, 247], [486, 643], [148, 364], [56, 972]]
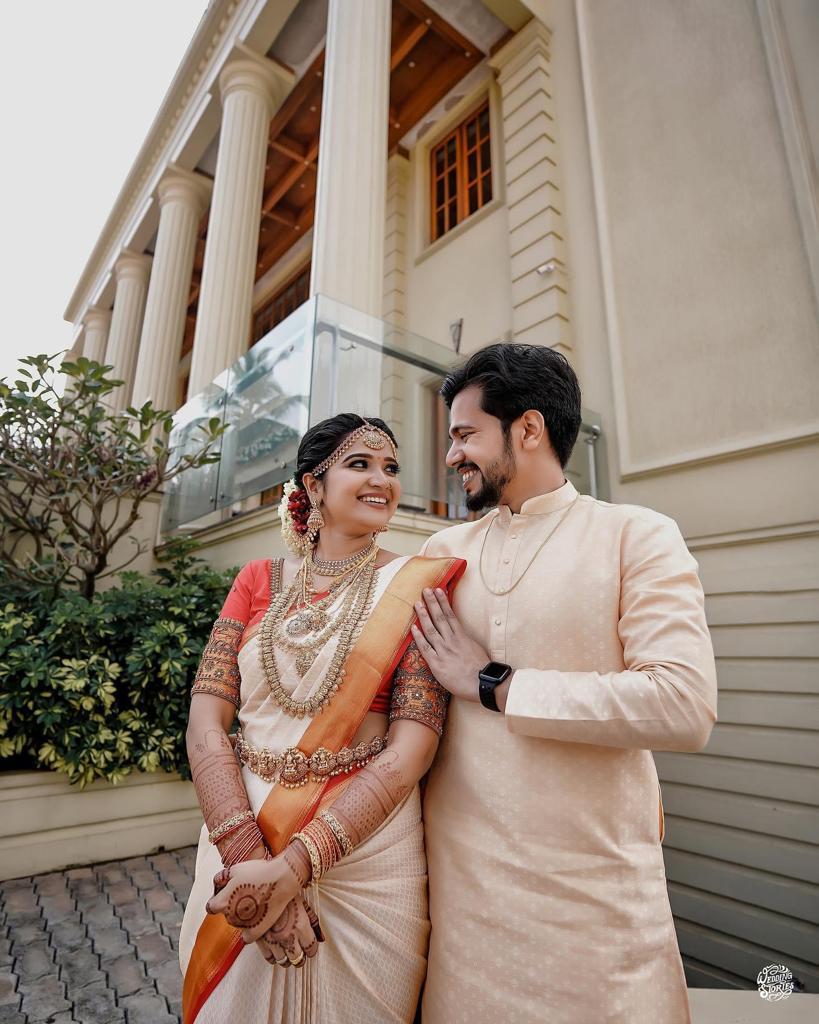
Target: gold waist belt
[[293, 768]]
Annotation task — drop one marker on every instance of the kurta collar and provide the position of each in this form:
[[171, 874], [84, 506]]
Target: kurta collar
[[542, 504]]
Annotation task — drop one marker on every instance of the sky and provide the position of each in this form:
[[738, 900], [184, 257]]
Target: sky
[[80, 84]]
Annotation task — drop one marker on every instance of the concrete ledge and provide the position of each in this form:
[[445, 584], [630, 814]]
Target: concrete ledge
[[46, 824], [726, 1006]]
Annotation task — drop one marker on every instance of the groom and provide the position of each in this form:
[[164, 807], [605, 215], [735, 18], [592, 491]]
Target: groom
[[576, 645]]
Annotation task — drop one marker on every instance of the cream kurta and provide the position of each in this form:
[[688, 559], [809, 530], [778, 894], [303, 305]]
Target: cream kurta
[[547, 885]]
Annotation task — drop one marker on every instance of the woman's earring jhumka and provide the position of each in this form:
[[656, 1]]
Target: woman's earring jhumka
[[315, 522]]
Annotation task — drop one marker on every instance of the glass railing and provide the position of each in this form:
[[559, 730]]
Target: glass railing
[[327, 358]]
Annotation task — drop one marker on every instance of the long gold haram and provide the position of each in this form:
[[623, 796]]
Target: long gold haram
[[293, 634], [541, 546], [364, 587]]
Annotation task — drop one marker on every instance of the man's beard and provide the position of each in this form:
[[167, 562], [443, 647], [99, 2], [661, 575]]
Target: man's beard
[[494, 480]]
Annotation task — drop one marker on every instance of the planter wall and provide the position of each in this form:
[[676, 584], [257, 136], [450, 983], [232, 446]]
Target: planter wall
[[47, 824]]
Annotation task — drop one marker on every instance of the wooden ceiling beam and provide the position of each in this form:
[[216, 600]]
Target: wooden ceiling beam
[[289, 179], [300, 92], [437, 85], [279, 247], [404, 46], [283, 214], [440, 26], [289, 147]]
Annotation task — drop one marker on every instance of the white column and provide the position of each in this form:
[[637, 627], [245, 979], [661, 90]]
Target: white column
[[252, 89], [97, 323], [131, 273], [183, 197], [534, 199], [348, 236]]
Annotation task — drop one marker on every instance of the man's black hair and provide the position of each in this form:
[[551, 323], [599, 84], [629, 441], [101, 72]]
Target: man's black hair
[[514, 378]]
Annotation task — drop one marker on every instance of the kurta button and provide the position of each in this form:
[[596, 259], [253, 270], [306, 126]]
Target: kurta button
[[513, 536], [506, 561], [497, 622]]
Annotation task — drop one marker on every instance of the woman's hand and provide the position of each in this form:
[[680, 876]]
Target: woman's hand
[[293, 937], [254, 894]]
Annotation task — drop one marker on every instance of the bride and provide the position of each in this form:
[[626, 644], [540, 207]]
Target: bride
[[310, 897]]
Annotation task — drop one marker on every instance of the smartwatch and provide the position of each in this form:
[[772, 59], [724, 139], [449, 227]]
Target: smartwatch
[[489, 677]]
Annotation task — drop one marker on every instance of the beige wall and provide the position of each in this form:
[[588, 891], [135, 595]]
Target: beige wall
[[465, 273], [694, 308]]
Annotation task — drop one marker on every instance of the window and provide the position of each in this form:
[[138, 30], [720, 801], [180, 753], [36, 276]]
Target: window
[[281, 305], [461, 173]]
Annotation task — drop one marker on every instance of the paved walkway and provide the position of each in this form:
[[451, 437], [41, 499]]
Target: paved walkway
[[95, 945], [99, 945]]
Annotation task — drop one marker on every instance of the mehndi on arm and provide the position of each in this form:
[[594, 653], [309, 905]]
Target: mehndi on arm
[[417, 711], [217, 776]]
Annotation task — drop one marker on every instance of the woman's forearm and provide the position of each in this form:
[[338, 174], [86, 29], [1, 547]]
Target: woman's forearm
[[369, 798], [217, 779], [372, 795]]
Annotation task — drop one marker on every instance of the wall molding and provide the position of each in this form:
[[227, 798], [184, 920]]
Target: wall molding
[[728, 450], [760, 535]]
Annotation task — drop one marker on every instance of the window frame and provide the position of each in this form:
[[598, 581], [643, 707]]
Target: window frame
[[463, 183]]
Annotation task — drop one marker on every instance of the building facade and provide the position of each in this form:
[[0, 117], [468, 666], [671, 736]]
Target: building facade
[[631, 182]]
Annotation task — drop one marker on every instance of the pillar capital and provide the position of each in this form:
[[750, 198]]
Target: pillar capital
[[248, 71], [134, 265], [178, 185], [97, 318]]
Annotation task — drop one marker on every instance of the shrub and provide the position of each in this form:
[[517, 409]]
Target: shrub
[[98, 688], [74, 473]]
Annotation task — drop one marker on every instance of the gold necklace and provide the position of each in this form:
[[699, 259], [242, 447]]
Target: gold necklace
[[552, 532], [338, 566], [362, 587], [305, 632]]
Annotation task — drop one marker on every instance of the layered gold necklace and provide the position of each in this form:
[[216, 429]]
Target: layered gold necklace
[[305, 633]]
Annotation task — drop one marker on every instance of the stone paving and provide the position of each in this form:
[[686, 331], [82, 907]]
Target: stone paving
[[95, 945]]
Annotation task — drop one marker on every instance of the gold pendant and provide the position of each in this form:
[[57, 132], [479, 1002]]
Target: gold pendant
[[308, 620], [304, 661]]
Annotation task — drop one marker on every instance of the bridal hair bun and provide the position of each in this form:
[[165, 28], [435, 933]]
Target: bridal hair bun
[[294, 510]]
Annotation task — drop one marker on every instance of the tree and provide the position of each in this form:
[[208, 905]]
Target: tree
[[73, 473]]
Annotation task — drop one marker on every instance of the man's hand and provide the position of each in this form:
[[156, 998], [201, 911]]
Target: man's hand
[[453, 657]]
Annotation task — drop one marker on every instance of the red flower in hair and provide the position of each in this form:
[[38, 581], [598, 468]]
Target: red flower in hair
[[298, 504]]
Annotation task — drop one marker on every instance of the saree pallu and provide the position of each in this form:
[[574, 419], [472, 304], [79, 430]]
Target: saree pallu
[[373, 904]]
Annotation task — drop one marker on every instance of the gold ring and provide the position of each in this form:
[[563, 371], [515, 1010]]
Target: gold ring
[[299, 962]]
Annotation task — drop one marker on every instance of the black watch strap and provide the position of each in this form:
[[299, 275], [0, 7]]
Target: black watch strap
[[489, 678]]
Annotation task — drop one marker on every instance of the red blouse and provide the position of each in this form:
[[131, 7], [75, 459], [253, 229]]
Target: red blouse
[[412, 692]]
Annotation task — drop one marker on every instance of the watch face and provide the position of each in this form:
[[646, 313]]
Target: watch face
[[495, 670]]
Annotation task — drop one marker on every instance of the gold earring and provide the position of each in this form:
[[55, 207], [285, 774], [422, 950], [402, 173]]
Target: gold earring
[[315, 521]]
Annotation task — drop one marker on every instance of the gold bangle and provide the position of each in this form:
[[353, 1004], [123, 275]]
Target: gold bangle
[[338, 831], [227, 826], [312, 849]]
